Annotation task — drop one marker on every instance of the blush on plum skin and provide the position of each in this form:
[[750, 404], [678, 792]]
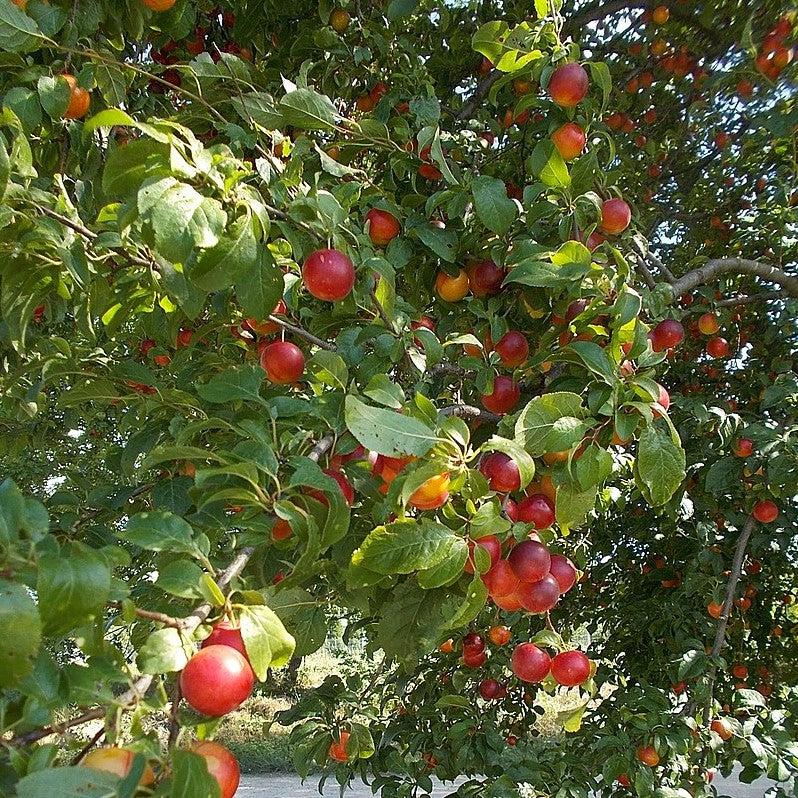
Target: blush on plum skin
[[328, 275], [283, 362], [530, 663], [501, 471], [569, 85], [216, 680], [504, 397]]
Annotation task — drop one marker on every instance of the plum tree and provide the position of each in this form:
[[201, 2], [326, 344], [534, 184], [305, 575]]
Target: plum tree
[[472, 326]]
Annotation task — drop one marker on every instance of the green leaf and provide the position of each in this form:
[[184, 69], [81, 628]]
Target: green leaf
[[449, 569], [25, 104], [404, 546], [573, 504], [723, 475], [627, 307], [164, 651], [237, 384], [73, 586], [181, 218], [487, 40], [383, 390], [74, 782], [190, 777], [235, 255], [401, 8], [414, 620], [361, 743], [443, 242], [492, 205], [309, 110], [18, 32], [595, 358], [159, 530], [303, 616], [600, 73], [110, 117], [259, 108], [660, 464], [268, 643], [180, 578], [547, 163], [260, 286], [470, 607], [557, 273], [128, 166], [54, 95], [553, 422], [12, 504], [593, 467], [387, 432], [20, 633], [329, 368]]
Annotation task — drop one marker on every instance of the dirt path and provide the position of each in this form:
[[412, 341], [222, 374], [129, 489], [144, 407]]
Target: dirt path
[[283, 786]]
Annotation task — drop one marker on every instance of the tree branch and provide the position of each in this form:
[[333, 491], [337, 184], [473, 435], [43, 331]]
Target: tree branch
[[482, 88], [322, 447], [764, 296], [731, 587], [142, 684], [469, 411], [728, 601], [713, 268], [302, 333], [648, 277], [134, 694]]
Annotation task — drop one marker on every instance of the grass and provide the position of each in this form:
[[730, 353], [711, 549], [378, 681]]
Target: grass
[[258, 749], [264, 748]]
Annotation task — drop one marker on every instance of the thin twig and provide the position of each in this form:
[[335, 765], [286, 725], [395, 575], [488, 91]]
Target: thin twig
[[174, 725], [89, 745], [302, 333], [469, 411]]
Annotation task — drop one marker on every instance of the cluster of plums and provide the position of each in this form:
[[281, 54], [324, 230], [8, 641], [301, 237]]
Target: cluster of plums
[[529, 578], [528, 662], [214, 682]]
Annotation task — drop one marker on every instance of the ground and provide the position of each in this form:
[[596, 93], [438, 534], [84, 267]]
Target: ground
[[272, 785]]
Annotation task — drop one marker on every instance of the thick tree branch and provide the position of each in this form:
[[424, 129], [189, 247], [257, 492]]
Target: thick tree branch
[[731, 587], [728, 601], [764, 296], [713, 268], [482, 88]]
